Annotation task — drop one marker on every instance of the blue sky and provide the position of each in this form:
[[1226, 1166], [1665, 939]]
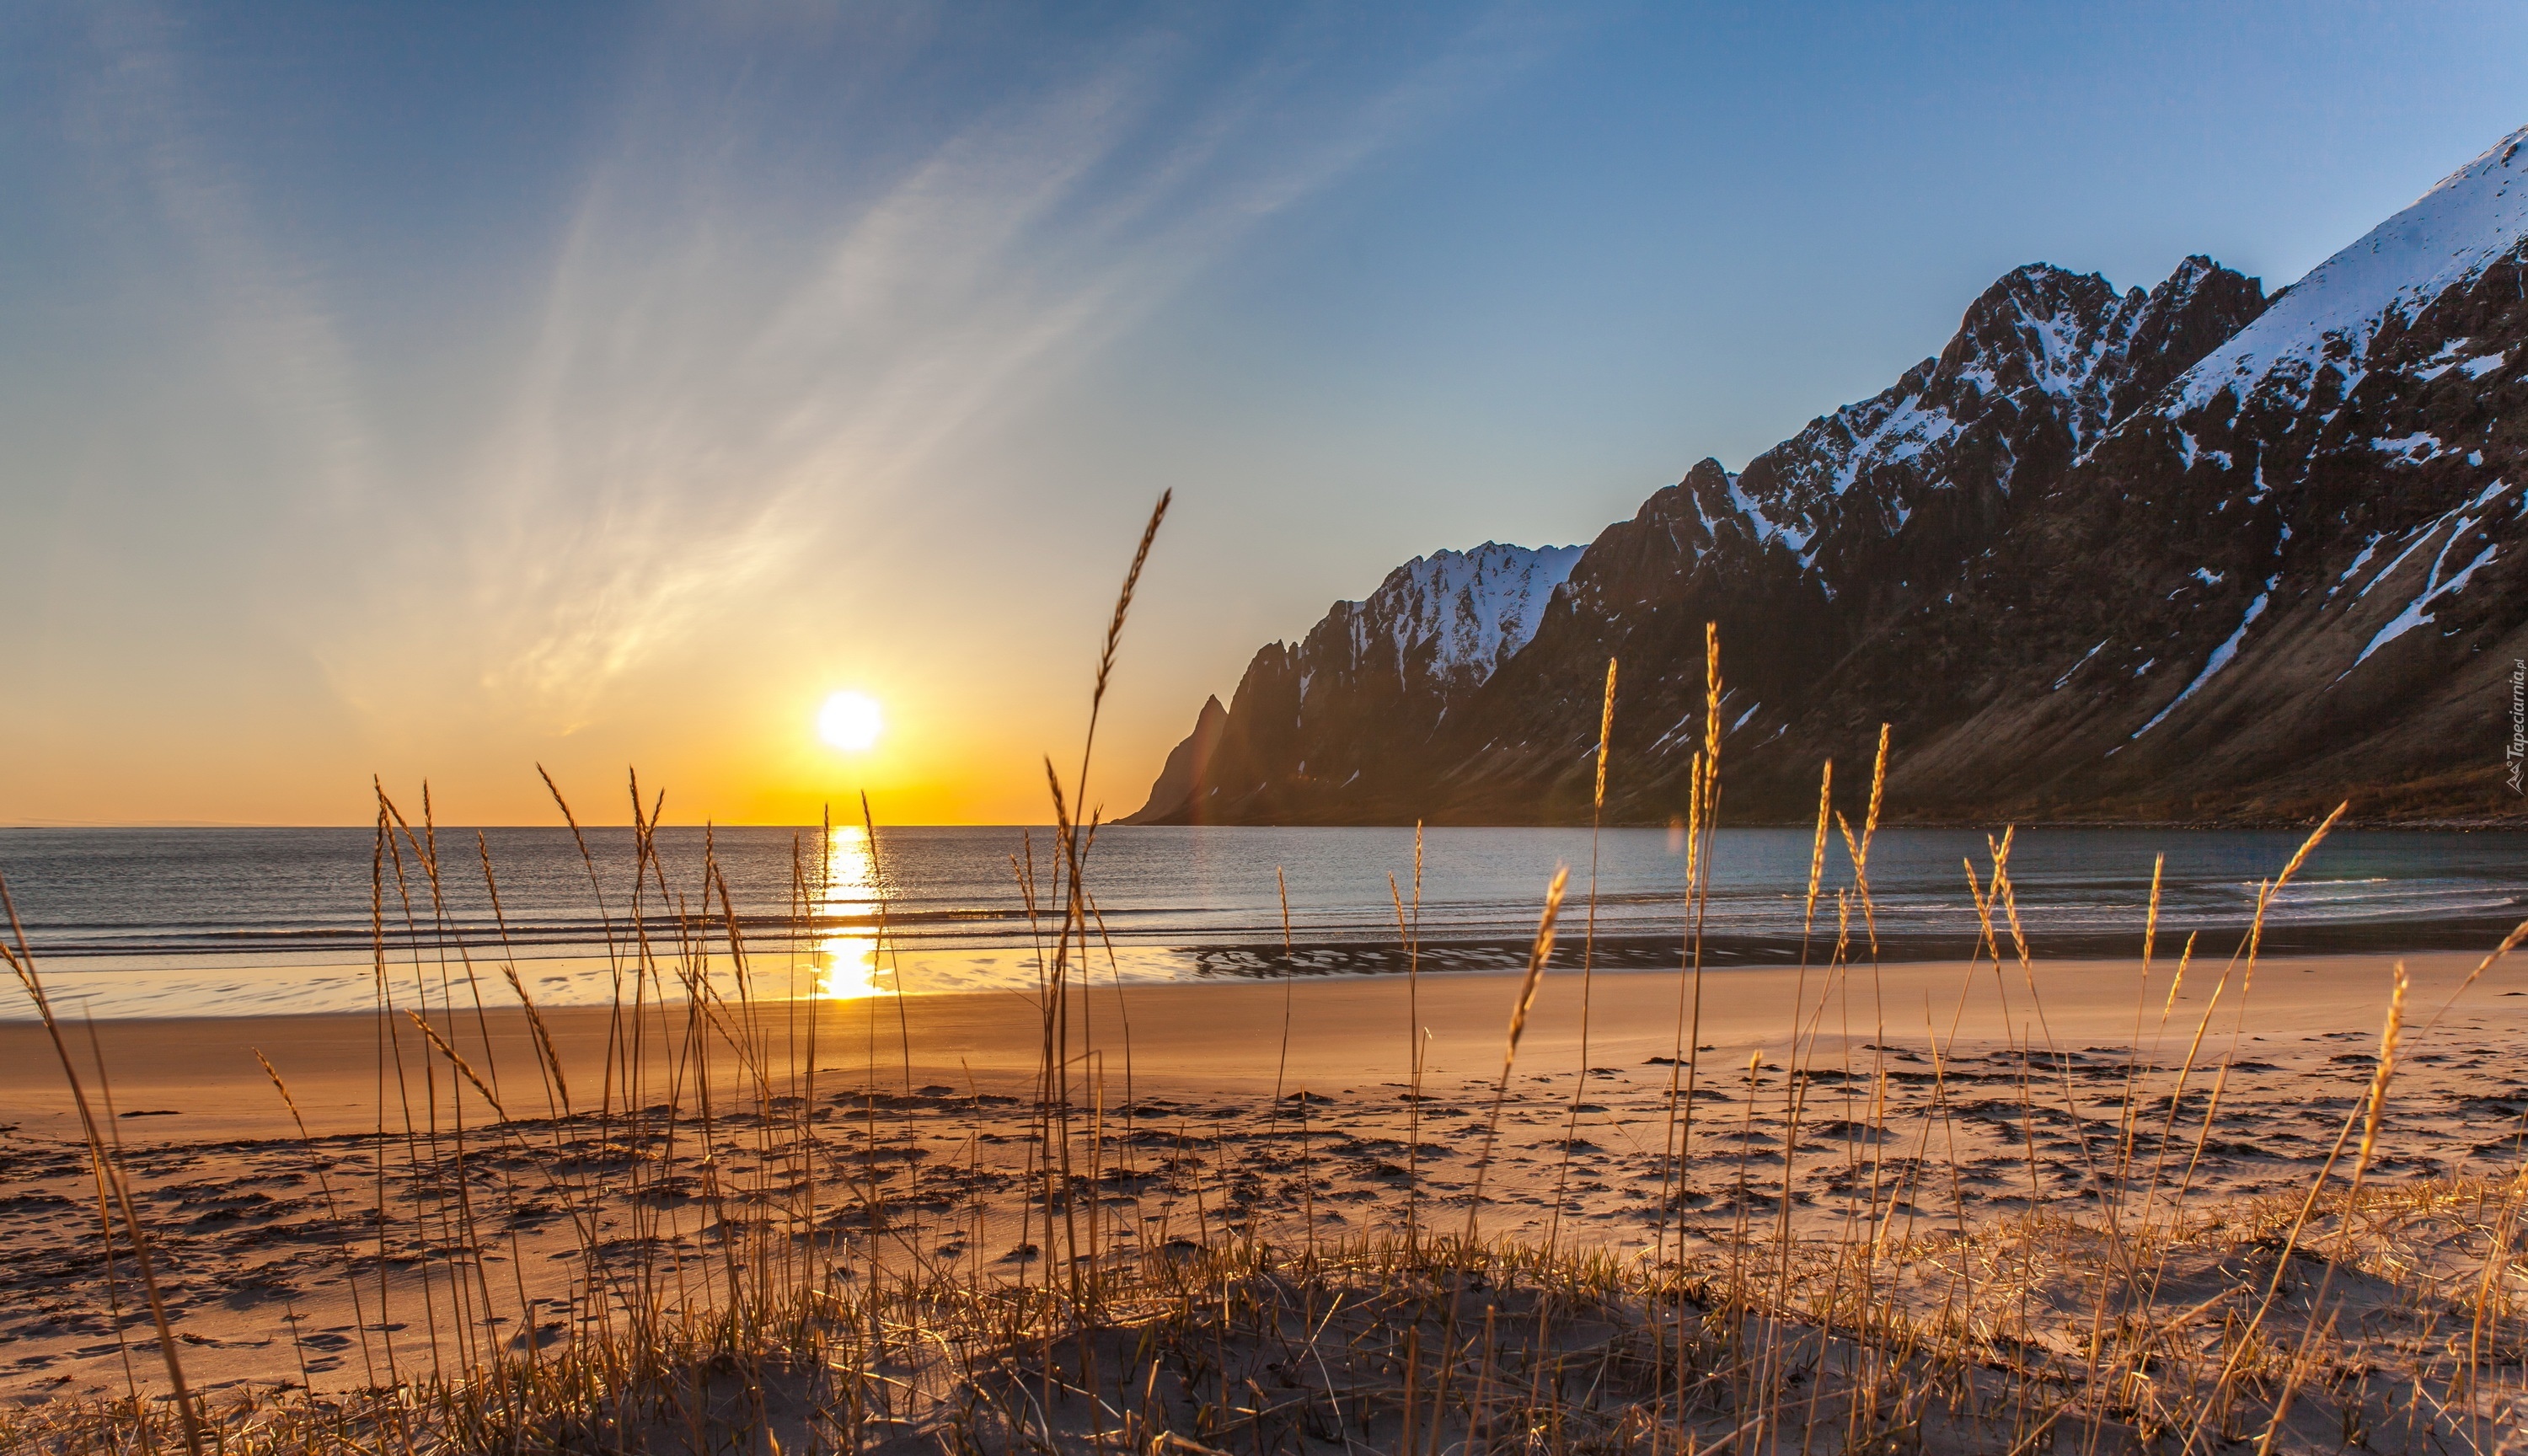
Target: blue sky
[[435, 391]]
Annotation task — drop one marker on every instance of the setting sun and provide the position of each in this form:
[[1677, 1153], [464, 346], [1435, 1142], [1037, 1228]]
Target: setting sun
[[850, 721]]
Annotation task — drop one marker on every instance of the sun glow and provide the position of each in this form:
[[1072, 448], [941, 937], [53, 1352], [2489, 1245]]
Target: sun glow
[[850, 721], [847, 960]]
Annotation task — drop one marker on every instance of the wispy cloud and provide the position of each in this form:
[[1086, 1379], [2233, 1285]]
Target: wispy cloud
[[273, 325], [721, 374], [799, 272]]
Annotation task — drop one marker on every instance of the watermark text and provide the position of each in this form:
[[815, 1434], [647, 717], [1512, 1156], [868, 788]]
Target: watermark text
[[2514, 754]]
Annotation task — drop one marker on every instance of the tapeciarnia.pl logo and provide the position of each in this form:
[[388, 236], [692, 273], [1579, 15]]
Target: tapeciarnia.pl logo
[[2515, 755]]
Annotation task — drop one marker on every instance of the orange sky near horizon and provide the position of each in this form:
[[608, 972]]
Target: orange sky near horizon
[[732, 747]]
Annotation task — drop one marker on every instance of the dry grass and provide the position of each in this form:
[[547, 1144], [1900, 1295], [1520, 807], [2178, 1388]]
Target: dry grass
[[805, 1297]]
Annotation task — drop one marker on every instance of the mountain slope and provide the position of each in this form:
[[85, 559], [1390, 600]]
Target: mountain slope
[[2183, 553]]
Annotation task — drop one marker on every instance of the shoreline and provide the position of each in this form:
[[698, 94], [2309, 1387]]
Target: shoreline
[[1186, 1032], [2514, 819], [102, 984], [2513, 822]]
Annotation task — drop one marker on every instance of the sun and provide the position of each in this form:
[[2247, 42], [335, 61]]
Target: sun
[[850, 721]]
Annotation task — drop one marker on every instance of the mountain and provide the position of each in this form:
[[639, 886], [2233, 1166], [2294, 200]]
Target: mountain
[[1372, 677], [2183, 553]]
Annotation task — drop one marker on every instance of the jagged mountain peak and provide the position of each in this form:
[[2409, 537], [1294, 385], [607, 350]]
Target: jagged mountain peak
[[2043, 363], [2037, 323], [2188, 316], [2074, 337], [1468, 610]]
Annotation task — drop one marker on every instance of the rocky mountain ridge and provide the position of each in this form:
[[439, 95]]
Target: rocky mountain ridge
[[1381, 670], [2179, 553]]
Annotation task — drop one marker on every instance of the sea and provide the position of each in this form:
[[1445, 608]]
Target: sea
[[165, 922]]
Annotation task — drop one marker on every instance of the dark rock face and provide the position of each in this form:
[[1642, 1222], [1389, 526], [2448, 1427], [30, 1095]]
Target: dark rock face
[[2136, 555]]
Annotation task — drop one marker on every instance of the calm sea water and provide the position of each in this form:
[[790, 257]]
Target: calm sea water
[[137, 922]]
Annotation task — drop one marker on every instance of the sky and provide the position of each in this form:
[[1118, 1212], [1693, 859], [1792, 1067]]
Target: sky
[[426, 393]]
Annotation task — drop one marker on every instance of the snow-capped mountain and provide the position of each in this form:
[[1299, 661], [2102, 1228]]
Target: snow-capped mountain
[[1452, 616], [2187, 552], [1392, 663]]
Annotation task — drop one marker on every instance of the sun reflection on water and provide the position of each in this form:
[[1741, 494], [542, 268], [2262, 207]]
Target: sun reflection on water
[[847, 963]]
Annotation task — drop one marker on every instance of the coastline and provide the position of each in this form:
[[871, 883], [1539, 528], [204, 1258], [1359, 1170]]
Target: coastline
[[1215, 1033]]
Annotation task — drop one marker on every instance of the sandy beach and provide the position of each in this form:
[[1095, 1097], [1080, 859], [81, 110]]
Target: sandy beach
[[1925, 1095]]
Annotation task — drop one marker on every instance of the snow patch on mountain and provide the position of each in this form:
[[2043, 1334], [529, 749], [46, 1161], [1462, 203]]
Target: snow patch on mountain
[[2474, 217], [2220, 658], [2417, 613], [2453, 355], [1473, 608], [2440, 582], [1792, 534]]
